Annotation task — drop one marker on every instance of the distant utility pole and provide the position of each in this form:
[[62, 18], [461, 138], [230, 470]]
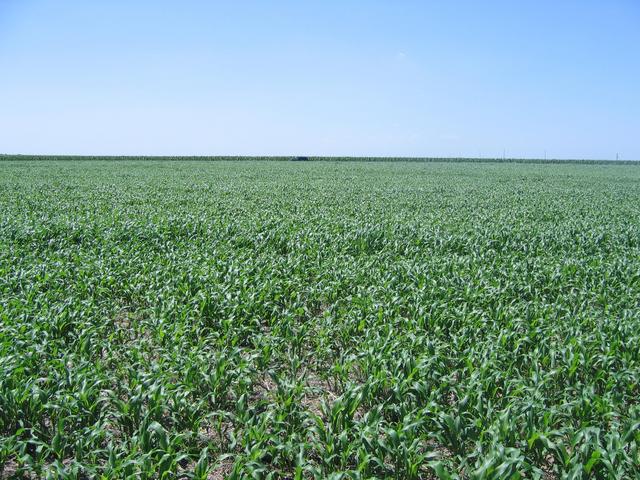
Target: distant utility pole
[[545, 155], [503, 153], [616, 156]]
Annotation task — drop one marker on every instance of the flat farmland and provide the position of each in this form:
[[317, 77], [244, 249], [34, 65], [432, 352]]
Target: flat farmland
[[275, 319]]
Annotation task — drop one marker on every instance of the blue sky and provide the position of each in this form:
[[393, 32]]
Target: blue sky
[[390, 78]]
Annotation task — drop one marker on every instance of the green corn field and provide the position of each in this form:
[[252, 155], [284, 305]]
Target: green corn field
[[264, 319]]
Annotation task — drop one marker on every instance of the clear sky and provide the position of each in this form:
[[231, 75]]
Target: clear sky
[[347, 77]]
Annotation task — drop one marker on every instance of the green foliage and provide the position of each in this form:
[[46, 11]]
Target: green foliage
[[344, 320]]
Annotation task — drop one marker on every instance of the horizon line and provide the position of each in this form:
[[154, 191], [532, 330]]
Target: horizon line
[[281, 157]]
